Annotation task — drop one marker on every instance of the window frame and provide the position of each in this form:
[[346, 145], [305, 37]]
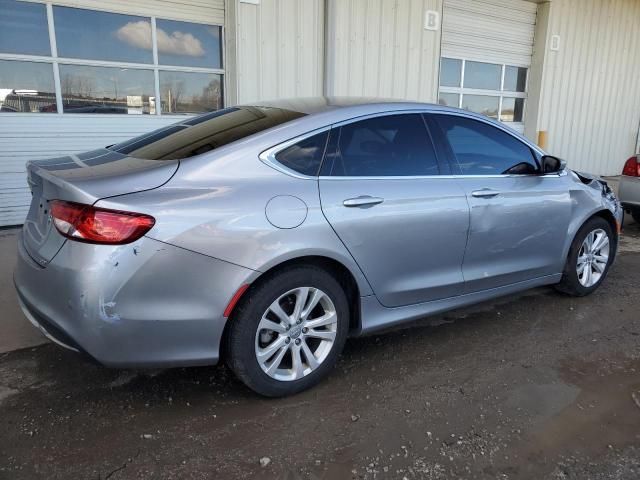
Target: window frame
[[55, 61], [447, 163], [501, 93]]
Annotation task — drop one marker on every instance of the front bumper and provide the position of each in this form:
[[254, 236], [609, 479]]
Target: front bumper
[[147, 304]]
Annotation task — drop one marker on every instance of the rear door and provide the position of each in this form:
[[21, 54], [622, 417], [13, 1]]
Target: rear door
[[404, 224], [519, 218]]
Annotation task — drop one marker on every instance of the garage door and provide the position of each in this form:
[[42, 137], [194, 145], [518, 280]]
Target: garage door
[[486, 54], [114, 69]]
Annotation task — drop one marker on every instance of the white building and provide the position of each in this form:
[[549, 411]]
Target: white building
[[80, 74]]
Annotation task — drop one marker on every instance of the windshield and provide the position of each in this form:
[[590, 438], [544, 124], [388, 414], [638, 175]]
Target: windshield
[[204, 133]]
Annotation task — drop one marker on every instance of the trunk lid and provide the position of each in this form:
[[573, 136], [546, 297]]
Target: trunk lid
[[84, 178]]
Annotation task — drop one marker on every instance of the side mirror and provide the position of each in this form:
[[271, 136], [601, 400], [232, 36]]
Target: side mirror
[[551, 164]]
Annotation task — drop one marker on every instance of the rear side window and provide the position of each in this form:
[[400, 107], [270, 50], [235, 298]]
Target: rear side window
[[305, 157], [391, 145], [204, 133], [482, 149]]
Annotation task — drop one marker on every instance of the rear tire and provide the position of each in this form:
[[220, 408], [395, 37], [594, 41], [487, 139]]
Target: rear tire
[[589, 259], [288, 332], [636, 216]]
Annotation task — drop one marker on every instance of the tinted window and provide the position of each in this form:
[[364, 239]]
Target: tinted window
[[23, 28], [305, 156], [393, 145], [205, 133], [481, 149]]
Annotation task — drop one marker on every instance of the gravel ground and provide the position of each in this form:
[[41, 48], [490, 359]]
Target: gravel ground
[[536, 385]]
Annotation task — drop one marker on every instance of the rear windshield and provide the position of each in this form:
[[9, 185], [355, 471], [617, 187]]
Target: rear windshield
[[204, 133]]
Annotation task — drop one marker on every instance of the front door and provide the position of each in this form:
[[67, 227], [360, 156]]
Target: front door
[[519, 218], [405, 225]]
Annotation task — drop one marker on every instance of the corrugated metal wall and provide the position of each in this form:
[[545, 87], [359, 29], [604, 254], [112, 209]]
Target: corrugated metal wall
[[280, 49], [381, 48], [590, 98], [36, 136], [494, 31]]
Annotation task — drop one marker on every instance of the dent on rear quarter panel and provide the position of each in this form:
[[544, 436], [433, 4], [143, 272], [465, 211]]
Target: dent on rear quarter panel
[[146, 303], [220, 212]]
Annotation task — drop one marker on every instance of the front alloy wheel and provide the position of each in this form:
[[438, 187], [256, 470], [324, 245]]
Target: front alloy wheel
[[296, 333], [590, 256], [593, 258]]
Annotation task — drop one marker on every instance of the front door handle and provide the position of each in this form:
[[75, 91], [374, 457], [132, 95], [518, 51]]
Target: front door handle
[[485, 193], [362, 201]]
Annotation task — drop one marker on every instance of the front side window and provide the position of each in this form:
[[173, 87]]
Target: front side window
[[392, 145], [495, 90], [305, 157], [482, 149]]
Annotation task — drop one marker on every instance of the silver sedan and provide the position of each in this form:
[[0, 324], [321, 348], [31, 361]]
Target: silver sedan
[[268, 234]]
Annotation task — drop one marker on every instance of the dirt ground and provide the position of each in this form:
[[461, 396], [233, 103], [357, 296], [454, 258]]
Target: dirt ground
[[535, 386]]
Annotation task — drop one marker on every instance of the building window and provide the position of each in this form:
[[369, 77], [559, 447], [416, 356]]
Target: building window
[[190, 92], [103, 62], [88, 89], [495, 90], [27, 87]]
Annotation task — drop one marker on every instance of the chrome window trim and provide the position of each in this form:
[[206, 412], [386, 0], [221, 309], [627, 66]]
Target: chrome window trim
[[268, 156], [417, 177]]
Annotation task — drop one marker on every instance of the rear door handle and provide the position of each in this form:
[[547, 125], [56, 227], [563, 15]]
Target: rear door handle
[[485, 193], [362, 201]]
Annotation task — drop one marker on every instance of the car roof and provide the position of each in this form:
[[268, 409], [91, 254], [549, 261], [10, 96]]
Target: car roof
[[321, 111], [313, 105]]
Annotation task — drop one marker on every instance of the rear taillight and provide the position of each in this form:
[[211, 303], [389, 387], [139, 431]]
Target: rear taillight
[[632, 167], [86, 223]]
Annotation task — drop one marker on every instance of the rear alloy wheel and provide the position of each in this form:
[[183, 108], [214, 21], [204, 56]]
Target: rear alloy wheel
[[589, 258], [286, 335], [296, 333]]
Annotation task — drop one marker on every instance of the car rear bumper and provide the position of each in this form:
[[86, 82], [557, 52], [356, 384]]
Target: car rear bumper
[[629, 192], [147, 304]]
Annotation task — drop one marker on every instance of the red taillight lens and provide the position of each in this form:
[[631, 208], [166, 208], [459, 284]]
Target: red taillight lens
[[86, 223], [632, 167]]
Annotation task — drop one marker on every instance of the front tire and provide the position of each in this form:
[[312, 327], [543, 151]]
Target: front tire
[[287, 334], [589, 259]]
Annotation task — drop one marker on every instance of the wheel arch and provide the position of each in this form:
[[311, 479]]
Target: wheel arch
[[341, 272], [607, 216]]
